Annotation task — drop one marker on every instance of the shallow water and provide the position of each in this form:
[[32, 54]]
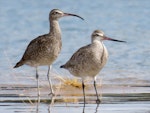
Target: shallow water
[[76, 108], [128, 65], [119, 99], [21, 21]]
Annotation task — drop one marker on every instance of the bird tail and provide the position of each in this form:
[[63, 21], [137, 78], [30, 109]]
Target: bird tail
[[63, 66], [20, 63]]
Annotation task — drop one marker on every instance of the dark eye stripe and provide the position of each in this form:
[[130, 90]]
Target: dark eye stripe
[[55, 13], [96, 34]]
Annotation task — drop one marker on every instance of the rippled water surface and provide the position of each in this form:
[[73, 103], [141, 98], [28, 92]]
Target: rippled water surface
[[21, 21], [128, 64]]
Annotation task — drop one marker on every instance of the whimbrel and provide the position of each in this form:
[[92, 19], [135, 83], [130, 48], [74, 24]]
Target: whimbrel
[[89, 60], [44, 49]]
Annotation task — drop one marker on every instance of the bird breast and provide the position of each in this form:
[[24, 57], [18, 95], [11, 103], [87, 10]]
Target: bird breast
[[88, 61], [52, 50]]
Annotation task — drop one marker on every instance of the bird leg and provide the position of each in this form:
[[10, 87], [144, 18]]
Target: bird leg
[[83, 86], [96, 110], [38, 89], [50, 82], [98, 100]]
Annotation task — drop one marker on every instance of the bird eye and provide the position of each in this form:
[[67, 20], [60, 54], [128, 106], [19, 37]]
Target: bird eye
[[55, 13], [96, 34]]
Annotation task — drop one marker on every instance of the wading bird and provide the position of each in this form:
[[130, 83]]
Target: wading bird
[[90, 59], [44, 49]]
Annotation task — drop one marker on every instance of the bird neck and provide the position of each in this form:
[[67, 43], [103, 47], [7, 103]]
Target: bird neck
[[96, 40], [54, 28]]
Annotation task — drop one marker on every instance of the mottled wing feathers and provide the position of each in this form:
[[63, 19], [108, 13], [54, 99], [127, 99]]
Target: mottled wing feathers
[[35, 47], [79, 56]]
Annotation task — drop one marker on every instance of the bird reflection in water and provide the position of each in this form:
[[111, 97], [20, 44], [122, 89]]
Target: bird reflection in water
[[49, 107], [96, 109], [49, 110]]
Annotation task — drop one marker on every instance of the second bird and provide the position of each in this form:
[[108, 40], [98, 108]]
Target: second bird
[[90, 59], [44, 49]]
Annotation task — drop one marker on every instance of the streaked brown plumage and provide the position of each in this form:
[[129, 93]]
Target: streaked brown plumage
[[89, 60], [41, 51], [44, 49]]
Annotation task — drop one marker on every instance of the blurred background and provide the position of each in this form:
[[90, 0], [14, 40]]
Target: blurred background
[[129, 20]]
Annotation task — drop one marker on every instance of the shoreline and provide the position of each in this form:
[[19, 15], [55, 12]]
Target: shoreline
[[107, 93]]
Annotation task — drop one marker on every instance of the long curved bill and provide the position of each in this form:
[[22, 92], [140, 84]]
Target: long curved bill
[[69, 14], [111, 39]]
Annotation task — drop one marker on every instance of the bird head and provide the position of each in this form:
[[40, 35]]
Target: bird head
[[99, 35], [56, 14]]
